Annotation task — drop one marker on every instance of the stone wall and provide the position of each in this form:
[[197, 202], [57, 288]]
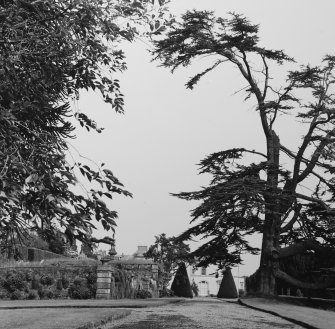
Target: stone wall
[[68, 279], [117, 280], [48, 282]]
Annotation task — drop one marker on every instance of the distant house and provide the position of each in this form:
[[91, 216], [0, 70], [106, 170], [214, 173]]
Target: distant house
[[208, 283]]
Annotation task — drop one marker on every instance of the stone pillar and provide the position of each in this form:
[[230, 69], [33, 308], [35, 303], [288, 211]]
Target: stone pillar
[[154, 270], [104, 279]]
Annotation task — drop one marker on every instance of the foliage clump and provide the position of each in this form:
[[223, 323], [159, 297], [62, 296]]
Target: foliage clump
[[48, 283], [47, 280], [195, 288], [14, 281], [79, 289], [143, 294], [165, 292], [50, 52]]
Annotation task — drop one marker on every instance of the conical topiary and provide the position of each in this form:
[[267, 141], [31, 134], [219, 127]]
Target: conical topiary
[[181, 286], [227, 287]]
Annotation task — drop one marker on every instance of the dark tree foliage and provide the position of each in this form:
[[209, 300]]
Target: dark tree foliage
[[49, 52], [266, 196], [227, 287], [181, 286], [169, 253]]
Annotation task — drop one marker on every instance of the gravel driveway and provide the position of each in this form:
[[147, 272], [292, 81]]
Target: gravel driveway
[[200, 314]]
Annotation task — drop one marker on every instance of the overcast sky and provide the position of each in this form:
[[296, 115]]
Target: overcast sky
[[166, 130]]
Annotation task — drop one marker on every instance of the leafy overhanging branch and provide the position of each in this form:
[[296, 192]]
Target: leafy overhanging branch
[[50, 51]]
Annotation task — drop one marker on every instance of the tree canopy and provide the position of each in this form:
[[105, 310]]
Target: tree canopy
[[49, 52], [170, 254], [268, 197]]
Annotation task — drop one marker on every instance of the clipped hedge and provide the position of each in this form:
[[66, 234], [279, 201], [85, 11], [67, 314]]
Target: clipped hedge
[[181, 286], [227, 287], [48, 282]]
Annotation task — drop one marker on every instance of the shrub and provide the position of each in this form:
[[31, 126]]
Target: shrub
[[241, 292], [15, 295], [47, 280], [143, 294], [4, 294], [195, 288], [59, 284], [166, 293], [14, 281], [33, 294], [29, 276], [91, 278], [49, 294], [65, 282], [79, 289], [45, 293], [35, 283]]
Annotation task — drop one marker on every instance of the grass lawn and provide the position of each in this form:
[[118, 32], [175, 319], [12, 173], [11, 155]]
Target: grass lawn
[[53, 318]]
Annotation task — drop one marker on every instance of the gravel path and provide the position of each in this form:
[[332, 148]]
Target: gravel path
[[200, 314]]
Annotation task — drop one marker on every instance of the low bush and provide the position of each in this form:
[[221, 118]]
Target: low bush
[[4, 294], [79, 289], [241, 292], [14, 281], [29, 276], [33, 294], [166, 293], [47, 280], [143, 294], [91, 277], [45, 293], [15, 295]]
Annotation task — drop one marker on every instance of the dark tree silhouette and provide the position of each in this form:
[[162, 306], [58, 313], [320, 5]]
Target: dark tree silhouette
[[227, 287], [181, 286], [267, 196]]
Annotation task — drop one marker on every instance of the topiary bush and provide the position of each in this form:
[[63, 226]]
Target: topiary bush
[[181, 286], [143, 294], [227, 286]]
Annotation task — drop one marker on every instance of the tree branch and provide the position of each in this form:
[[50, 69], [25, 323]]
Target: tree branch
[[300, 284], [300, 247], [295, 217]]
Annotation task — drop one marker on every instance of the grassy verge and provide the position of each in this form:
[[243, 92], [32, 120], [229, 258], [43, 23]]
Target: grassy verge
[[59, 318]]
